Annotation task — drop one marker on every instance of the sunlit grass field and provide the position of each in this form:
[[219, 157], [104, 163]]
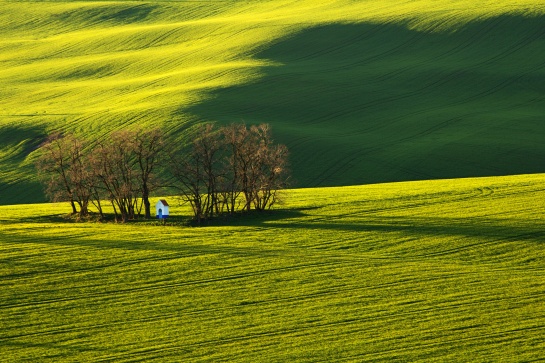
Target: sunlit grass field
[[360, 91], [450, 271]]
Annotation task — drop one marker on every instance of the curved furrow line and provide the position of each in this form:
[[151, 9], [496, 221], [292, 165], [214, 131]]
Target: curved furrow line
[[356, 38], [205, 311], [421, 91], [126, 291], [530, 236], [346, 164], [517, 190], [31, 275], [159, 40], [417, 36], [418, 202], [450, 343], [538, 34], [321, 178], [313, 327], [97, 50], [328, 173], [334, 48], [501, 86], [391, 99], [425, 111], [375, 57], [459, 48], [341, 113]]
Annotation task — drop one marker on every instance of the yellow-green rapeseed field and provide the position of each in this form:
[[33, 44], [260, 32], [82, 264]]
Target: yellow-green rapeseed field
[[361, 92], [436, 271]]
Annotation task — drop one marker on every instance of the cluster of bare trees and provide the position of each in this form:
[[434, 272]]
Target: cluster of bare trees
[[230, 169], [119, 168], [233, 168]]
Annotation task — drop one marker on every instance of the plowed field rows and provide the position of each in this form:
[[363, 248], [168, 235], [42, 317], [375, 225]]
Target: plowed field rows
[[450, 270]]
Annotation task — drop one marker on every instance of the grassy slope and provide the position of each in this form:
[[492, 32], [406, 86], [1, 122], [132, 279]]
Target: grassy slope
[[448, 270], [360, 91]]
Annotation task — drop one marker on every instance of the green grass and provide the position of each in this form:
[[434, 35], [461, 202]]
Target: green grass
[[361, 92], [449, 270]]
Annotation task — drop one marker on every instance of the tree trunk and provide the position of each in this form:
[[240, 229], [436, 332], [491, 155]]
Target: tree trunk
[[145, 199], [84, 209], [99, 207], [74, 210], [115, 210]]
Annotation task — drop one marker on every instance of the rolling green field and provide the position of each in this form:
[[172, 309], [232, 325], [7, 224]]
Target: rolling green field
[[449, 270], [360, 91]]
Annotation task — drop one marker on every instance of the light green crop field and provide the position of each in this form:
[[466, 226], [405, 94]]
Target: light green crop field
[[360, 91], [445, 271]]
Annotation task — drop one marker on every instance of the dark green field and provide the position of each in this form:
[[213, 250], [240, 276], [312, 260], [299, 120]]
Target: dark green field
[[360, 103]]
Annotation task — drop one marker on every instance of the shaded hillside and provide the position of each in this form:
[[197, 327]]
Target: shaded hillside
[[360, 91], [359, 103]]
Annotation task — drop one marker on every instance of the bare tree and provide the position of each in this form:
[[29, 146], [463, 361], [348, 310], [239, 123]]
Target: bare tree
[[197, 173], [258, 166], [52, 166], [235, 167], [62, 166], [273, 175], [148, 147], [80, 176], [221, 170], [114, 165], [234, 184], [244, 145], [98, 192]]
